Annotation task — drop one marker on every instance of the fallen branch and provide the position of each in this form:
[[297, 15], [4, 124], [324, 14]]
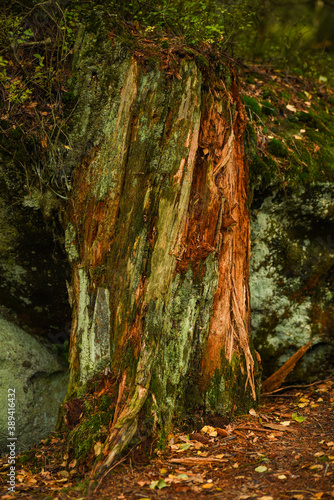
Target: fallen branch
[[249, 428], [276, 379], [300, 386], [197, 460]]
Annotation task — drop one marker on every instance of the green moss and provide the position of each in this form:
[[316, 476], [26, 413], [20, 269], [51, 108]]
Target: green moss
[[269, 109], [93, 426], [277, 148], [252, 106], [227, 392]]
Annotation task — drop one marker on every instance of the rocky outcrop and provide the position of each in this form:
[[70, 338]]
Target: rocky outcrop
[[33, 265], [39, 378], [292, 278]]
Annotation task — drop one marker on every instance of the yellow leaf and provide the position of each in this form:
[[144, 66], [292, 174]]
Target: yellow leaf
[[207, 429], [281, 476], [207, 486], [67, 147], [97, 448], [290, 107], [261, 468], [163, 471]]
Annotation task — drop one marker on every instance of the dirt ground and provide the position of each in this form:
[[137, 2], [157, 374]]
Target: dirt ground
[[283, 449]]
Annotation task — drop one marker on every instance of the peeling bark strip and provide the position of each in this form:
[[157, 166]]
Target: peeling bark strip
[[158, 238]]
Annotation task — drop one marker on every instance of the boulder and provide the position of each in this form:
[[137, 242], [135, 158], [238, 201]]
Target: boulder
[[292, 278], [39, 378]]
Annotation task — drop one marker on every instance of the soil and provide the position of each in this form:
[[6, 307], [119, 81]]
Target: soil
[[283, 449]]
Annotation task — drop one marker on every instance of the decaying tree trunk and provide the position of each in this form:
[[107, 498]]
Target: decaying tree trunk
[[157, 233]]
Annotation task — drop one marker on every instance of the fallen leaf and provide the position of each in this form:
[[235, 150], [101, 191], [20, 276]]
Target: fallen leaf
[[286, 423], [207, 486], [97, 448], [211, 431], [295, 417], [266, 498], [290, 107], [221, 432], [160, 483], [281, 476], [252, 412], [163, 471], [185, 446], [261, 468], [183, 476], [63, 473]]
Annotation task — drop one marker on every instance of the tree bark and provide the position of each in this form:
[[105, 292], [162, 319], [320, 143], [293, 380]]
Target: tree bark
[[157, 233]]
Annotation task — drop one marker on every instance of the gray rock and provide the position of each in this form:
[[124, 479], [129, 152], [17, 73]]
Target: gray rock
[[40, 382], [292, 278]]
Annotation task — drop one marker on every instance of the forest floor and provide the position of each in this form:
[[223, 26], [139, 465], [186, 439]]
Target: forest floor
[[284, 449]]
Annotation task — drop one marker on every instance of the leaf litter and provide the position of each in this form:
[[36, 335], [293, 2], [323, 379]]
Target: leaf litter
[[281, 450]]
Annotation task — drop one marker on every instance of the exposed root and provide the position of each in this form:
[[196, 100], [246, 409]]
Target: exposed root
[[244, 344]]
